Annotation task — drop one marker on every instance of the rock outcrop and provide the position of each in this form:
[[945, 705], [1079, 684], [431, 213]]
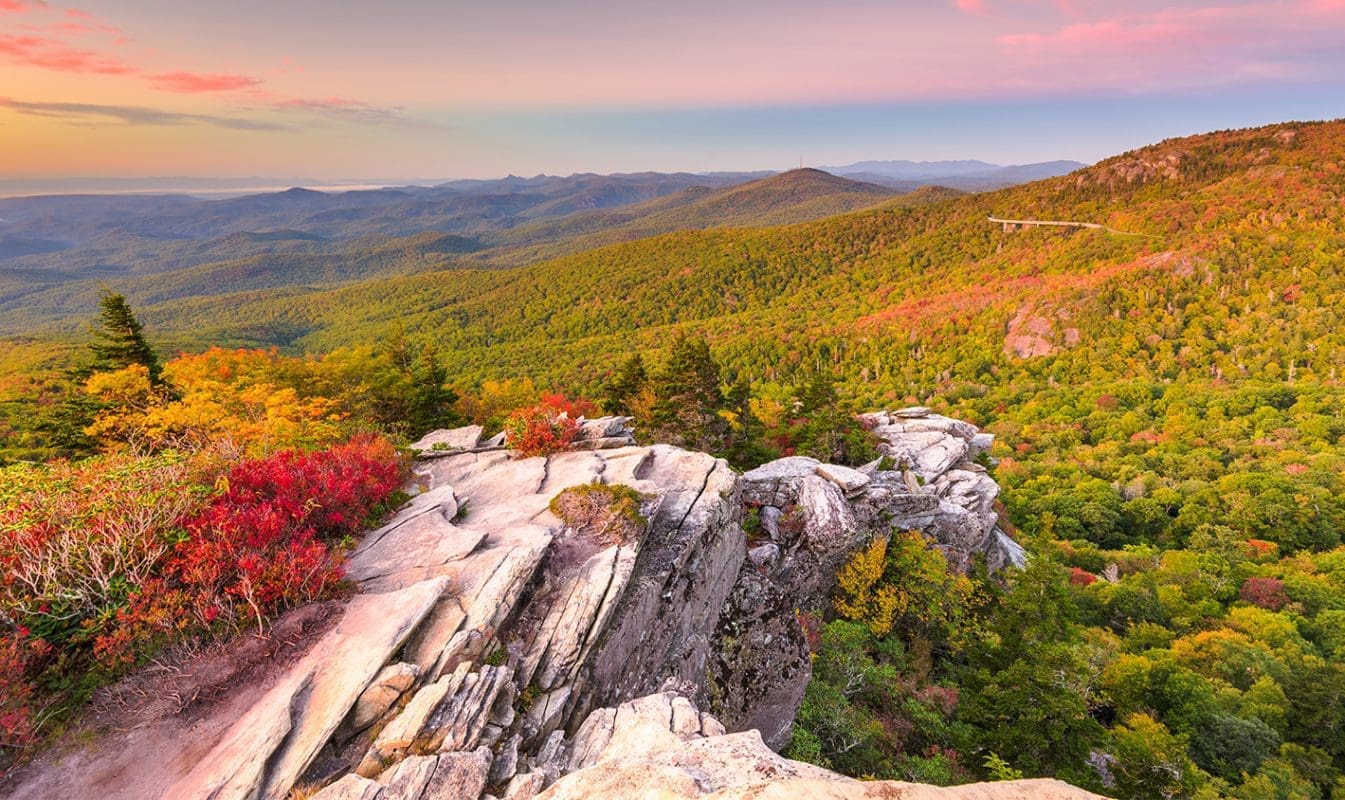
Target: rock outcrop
[[811, 518], [660, 746], [495, 650]]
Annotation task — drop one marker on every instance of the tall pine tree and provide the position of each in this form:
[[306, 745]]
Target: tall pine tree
[[618, 392], [119, 340], [686, 398]]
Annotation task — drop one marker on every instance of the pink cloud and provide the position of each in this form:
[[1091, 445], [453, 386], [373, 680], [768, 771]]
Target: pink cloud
[[54, 54], [1107, 33], [970, 6], [19, 5], [198, 83]]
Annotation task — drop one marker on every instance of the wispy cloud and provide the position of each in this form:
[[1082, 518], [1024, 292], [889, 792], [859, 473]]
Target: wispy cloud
[[1107, 33], [55, 54], [197, 83], [347, 110], [76, 41], [97, 114], [970, 6], [19, 5]]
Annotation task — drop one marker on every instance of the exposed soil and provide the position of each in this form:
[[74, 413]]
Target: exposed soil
[[181, 704]]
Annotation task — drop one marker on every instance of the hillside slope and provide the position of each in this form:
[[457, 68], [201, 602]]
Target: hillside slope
[[795, 196], [1233, 218], [153, 270]]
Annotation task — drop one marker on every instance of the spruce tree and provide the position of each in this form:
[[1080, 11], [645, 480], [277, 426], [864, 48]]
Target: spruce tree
[[120, 340], [432, 400], [624, 385], [687, 398]]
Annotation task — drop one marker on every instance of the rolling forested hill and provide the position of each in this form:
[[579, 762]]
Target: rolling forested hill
[[1229, 274], [153, 259]]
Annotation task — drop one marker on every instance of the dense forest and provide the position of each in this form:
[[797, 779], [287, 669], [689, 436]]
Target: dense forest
[[1167, 405]]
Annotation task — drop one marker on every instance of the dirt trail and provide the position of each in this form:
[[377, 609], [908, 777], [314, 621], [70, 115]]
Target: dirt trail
[[178, 710]]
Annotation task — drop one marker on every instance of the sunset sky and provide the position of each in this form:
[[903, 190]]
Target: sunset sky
[[442, 88]]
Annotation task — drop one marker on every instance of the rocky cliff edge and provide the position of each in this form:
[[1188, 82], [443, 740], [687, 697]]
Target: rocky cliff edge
[[495, 650]]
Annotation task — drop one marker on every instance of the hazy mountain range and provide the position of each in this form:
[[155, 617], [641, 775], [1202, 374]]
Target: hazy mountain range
[[57, 252], [969, 176]]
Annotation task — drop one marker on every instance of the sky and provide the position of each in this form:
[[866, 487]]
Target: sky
[[419, 89]]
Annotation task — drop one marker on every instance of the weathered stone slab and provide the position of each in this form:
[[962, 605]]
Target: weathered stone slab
[[604, 428], [270, 747], [776, 483], [464, 438], [373, 628], [374, 702], [851, 481], [459, 776], [351, 787], [929, 453], [412, 552]]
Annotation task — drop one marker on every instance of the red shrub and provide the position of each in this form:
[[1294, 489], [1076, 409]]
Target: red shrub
[[1260, 549], [333, 490], [1080, 577], [546, 428], [18, 650], [1267, 593], [262, 545]]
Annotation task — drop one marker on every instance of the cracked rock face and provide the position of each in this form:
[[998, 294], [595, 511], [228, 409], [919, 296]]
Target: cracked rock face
[[813, 517], [494, 651]]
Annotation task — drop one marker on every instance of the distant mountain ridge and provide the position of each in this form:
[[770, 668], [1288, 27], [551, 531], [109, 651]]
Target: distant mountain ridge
[[56, 249], [967, 175], [571, 219]]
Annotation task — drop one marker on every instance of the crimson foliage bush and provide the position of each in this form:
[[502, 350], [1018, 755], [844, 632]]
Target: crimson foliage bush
[[264, 544], [1267, 593], [268, 536], [548, 427]]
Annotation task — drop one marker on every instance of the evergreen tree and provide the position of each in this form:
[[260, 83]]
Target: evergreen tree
[[431, 399], [120, 340], [625, 385], [746, 447], [686, 398], [830, 433]]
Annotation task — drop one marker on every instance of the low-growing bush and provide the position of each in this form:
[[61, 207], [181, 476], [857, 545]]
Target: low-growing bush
[[266, 542], [76, 540], [604, 513], [548, 427], [105, 560]]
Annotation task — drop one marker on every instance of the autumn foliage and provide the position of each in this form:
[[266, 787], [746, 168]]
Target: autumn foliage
[[1268, 593], [547, 427], [105, 560]]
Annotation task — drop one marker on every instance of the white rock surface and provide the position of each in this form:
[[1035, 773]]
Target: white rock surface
[[646, 748], [483, 632], [464, 438]]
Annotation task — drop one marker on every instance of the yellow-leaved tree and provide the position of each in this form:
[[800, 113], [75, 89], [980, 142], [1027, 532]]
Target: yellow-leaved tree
[[234, 401]]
